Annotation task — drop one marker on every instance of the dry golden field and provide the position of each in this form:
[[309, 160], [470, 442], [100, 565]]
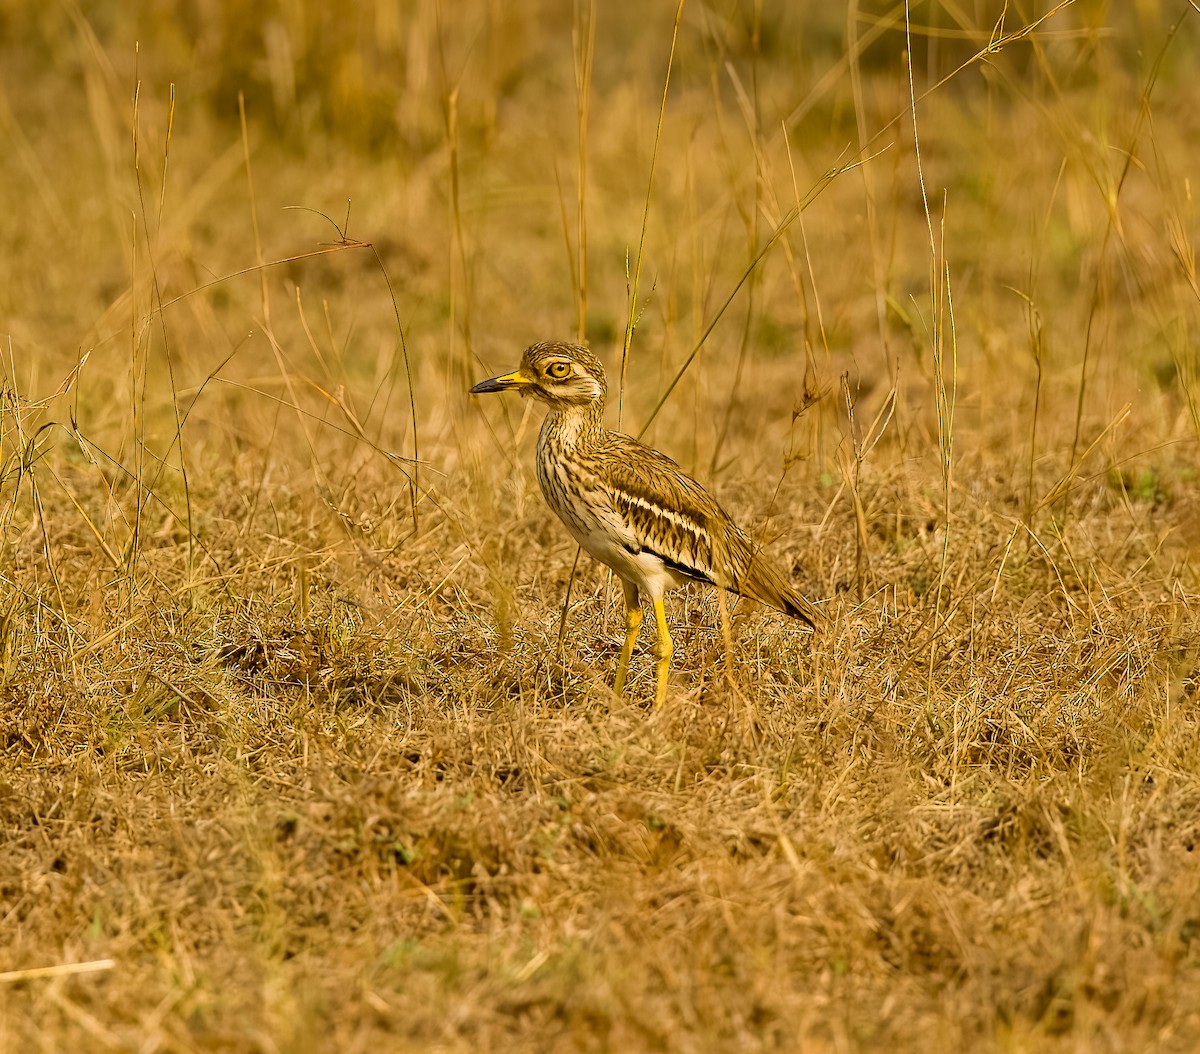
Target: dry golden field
[[291, 759]]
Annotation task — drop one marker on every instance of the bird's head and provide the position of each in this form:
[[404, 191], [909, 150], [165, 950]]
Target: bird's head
[[563, 375]]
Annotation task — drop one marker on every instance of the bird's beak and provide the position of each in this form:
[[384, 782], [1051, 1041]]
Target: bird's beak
[[503, 383]]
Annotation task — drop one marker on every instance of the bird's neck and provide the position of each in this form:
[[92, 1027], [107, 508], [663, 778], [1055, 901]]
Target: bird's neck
[[573, 427]]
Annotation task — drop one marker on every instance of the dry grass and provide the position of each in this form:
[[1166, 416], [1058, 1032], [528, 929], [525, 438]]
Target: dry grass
[[288, 752]]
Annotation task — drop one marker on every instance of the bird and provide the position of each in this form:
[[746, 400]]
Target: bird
[[632, 507]]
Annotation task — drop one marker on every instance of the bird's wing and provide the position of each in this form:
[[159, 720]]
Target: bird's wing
[[670, 514], [674, 517]]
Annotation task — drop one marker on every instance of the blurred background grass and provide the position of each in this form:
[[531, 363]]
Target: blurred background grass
[[379, 103]]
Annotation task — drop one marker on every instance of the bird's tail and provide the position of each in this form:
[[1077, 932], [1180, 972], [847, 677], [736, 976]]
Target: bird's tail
[[765, 583]]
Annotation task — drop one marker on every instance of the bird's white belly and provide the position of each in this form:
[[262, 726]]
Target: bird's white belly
[[644, 569]]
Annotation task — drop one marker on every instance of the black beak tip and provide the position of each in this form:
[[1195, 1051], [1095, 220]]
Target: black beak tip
[[483, 387]]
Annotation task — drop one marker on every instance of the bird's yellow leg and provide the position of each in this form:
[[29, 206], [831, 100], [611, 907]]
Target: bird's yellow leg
[[633, 622], [664, 648]]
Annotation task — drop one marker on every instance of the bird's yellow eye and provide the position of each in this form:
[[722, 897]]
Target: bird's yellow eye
[[558, 370]]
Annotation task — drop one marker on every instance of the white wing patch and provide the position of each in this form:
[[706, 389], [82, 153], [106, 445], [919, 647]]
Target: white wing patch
[[679, 519]]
